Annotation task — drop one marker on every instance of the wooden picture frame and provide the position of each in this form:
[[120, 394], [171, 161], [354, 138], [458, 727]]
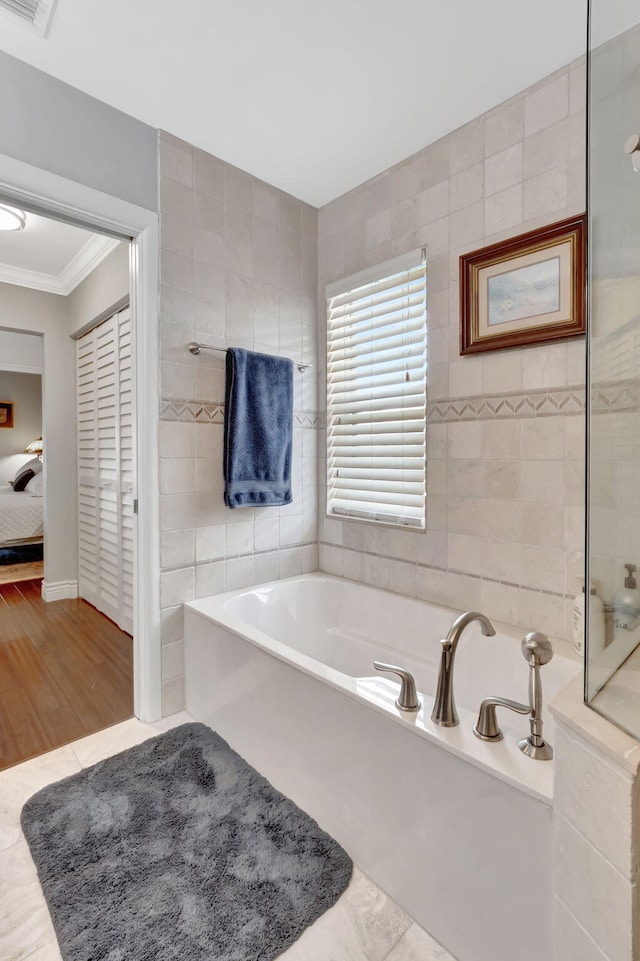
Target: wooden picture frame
[[526, 290], [6, 413]]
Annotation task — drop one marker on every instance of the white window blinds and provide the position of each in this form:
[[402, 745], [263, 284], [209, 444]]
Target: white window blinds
[[376, 393]]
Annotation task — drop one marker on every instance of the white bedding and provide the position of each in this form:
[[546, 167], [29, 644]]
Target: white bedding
[[20, 516]]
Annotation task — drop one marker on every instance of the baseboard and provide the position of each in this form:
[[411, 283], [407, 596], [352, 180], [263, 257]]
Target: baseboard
[[59, 590]]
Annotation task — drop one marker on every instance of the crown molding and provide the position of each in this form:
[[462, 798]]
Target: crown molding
[[87, 259]]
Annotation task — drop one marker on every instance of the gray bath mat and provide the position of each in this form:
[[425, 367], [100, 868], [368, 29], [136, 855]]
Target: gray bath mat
[[178, 849]]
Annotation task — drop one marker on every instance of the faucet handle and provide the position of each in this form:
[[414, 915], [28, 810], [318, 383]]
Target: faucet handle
[[486, 727], [407, 699]]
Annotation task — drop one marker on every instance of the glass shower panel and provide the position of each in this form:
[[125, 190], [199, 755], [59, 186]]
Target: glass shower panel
[[613, 661]]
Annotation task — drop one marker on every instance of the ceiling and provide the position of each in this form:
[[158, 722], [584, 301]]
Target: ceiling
[[49, 255], [313, 98]]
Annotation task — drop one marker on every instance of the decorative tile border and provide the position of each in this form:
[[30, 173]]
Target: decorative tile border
[[621, 395], [212, 412], [531, 403], [607, 397], [189, 411]]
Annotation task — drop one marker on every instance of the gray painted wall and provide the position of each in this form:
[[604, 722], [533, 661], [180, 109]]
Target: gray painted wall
[[20, 352], [101, 290], [51, 125]]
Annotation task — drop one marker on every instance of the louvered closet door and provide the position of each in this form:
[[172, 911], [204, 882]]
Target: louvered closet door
[[127, 468], [106, 461], [86, 386], [108, 470]]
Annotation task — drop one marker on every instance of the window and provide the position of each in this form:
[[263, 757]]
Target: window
[[376, 393]]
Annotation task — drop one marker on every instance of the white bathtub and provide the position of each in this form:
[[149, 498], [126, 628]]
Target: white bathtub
[[458, 831]]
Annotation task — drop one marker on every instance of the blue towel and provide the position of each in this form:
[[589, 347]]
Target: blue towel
[[258, 429]]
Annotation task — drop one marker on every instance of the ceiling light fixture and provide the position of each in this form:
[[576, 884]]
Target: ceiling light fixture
[[12, 218]]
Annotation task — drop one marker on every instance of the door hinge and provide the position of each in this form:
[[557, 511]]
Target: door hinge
[[135, 505]]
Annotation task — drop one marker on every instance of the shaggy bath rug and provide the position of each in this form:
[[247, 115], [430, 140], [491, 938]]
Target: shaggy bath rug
[[178, 849]]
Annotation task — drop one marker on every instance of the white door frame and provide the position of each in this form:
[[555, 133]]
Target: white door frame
[[38, 189]]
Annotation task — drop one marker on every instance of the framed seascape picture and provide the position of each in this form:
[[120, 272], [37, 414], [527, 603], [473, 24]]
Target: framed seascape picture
[[6, 413], [526, 290]]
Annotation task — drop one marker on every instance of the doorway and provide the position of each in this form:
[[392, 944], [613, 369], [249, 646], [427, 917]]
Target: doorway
[[33, 188], [66, 645]]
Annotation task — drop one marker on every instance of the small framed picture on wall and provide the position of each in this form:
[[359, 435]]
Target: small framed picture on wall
[[526, 290], [6, 413]]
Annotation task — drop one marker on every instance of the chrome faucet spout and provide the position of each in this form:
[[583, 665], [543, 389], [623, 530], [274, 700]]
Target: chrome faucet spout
[[458, 626], [444, 708]]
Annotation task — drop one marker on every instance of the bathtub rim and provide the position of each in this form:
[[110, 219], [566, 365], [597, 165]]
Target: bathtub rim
[[503, 760]]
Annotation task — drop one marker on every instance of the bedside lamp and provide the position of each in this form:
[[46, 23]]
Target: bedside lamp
[[35, 447]]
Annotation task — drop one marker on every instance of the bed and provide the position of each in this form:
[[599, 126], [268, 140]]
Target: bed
[[21, 520]]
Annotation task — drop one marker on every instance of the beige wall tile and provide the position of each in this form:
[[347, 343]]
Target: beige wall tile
[[433, 203], [501, 439], [503, 169], [544, 366], [176, 587], [172, 624], [543, 438], [465, 377], [595, 893], [466, 187], [177, 548], [586, 786], [500, 602], [502, 372], [172, 696], [543, 524], [547, 193], [220, 227], [502, 493], [466, 146], [208, 175], [572, 942], [173, 660], [467, 225], [501, 479], [542, 612], [176, 163], [464, 440], [465, 552], [547, 104], [503, 210], [546, 149], [504, 126], [542, 482]]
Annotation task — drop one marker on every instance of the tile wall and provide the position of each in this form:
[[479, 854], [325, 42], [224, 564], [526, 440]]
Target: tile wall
[[505, 512], [238, 268], [597, 795]]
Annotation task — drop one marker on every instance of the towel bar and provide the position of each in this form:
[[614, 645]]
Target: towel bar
[[195, 348]]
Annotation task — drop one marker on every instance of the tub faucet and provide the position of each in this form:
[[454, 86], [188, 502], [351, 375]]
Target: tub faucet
[[444, 708], [536, 650]]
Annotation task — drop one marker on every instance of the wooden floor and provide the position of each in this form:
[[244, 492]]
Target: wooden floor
[[27, 571], [65, 671]]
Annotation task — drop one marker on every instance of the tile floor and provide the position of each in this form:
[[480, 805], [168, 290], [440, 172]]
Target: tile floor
[[364, 925]]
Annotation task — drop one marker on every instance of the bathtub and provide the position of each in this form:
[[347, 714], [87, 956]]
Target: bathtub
[[456, 830]]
